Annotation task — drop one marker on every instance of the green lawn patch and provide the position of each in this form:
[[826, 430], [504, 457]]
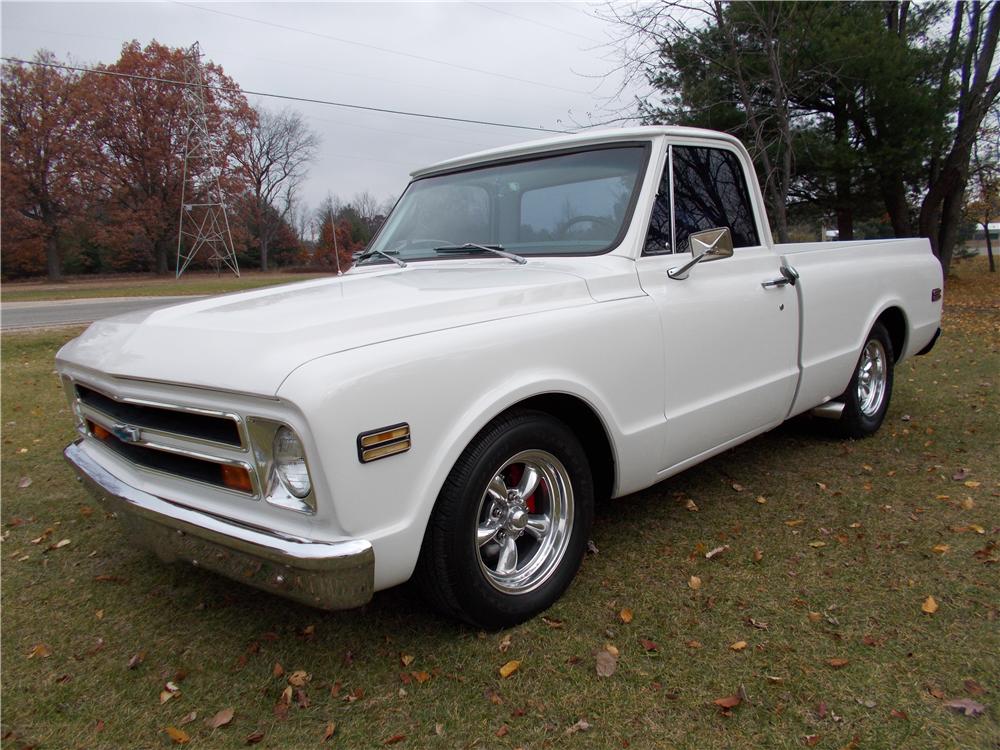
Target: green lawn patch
[[833, 547]]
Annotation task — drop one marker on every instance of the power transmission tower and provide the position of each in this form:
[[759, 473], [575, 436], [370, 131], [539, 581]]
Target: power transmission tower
[[203, 221]]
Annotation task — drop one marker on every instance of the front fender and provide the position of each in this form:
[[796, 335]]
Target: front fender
[[448, 385]]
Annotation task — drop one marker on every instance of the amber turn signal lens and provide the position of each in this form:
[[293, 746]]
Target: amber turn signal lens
[[236, 478], [98, 432]]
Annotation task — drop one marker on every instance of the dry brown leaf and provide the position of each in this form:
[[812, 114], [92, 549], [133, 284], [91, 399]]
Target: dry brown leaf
[[795, 522], [730, 701], [737, 487], [694, 582], [738, 646], [394, 739], [761, 500], [817, 544], [136, 660], [837, 663], [649, 645], [503, 731], [966, 706], [59, 545], [968, 503], [971, 484], [606, 663], [691, 505], [331, 728], [758, 555], [220, 719], [930, 605], [504, 644], [178, 736], [814, 616], [693, 644], [811, 740], [553, 623], [421, 677], [581, 726], [168, 694], [897, 714], [188, 718], [716, 552], [301, 698], [509, 668], [278, 670], [406, 659], [24, 483], [973, 688], [298, 678], [40, 650], [254, 737], [940, 548], [611, 649], [625, 615]]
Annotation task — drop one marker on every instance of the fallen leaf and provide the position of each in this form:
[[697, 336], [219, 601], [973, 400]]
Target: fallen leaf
[[774, 680], [58, 545], [592, 548], [553, 623], [40, 650], [693, 644], [960, 475], [625, 615], [821, 485], [504, 644], [439, 729], [966, 706], [973, 688], [694, 582], [738, 646], [178, 736], [581, 726], [940, 548], [254, 737], [24, 483], [493, 696], [220, 719], [648, 645], [759, 624], [611, 649], [301, 699], [971, 484], [509, 668], [761, 500], [298, 678], [166, 695], [188, 718], [396, 738], [331, 727], [930, 605], [606, 663], [503, 731], [795, 522], [278, 670], [730, 701], [814, 616], [406, 659], [99, 614], [691, 505], [758, 555], [716, 552], [936, 692], [737, 487], [817, 544], [837, 663], [811, 739], [423, 677], [897, 714]]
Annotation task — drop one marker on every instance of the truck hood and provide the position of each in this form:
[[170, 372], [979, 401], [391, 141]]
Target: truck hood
[[250, 341]]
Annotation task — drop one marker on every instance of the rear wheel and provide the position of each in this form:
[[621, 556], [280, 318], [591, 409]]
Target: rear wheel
[[866, 399], [510, 526]]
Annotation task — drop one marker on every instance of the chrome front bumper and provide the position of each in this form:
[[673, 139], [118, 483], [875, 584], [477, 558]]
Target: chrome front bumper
[[328, 575]]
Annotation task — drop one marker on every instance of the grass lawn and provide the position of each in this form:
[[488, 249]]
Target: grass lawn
[[833, 549], [195, 282]]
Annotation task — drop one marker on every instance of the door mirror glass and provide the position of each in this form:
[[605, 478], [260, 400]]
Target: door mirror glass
[[712, 244]]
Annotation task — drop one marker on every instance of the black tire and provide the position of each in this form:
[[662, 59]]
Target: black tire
[[467, 574], [866, 402]]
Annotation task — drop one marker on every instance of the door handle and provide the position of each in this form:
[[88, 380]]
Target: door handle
[[775, 283], [788, 276]]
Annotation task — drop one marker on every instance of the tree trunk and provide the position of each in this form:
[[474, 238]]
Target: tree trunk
[[52, 260], [894, 196], [160, 248], [263, 251], [989, 244]]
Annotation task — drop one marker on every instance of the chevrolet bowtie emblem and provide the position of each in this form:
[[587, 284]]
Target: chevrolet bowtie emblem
[[126, 433]]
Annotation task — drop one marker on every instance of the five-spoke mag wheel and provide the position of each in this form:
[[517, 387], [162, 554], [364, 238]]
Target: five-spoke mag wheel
[[510, 525]]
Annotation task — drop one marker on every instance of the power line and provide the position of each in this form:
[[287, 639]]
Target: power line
[[365, 45], [286, 97], [536, 22]]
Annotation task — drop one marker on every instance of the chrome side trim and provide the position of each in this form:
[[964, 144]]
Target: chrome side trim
[[328, 575]]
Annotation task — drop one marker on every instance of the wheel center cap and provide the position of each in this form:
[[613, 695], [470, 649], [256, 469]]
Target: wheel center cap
[[517, 520]]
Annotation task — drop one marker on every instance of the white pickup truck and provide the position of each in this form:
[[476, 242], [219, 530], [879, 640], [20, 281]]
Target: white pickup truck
[[532, 328]]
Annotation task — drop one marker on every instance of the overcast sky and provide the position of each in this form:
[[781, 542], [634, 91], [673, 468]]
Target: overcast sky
[[539, 64]]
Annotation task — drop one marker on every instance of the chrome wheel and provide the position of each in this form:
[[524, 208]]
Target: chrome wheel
[[872, 377], [524, 522]]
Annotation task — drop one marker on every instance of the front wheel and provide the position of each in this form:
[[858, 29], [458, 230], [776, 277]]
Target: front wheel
[[510, 526], [866, 399]]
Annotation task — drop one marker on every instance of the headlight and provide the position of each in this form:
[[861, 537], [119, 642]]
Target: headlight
[[290, 462]]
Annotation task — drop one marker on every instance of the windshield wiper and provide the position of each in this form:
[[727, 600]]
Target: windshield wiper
[[369, 253], [471, 246]]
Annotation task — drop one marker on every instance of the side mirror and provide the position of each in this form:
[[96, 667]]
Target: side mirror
[[710, 244]]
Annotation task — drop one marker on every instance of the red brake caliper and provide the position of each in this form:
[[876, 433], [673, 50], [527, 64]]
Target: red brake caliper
[[514, 474]]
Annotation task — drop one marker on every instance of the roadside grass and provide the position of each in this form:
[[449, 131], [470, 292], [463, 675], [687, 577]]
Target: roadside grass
[[195, 282], [878, 506]]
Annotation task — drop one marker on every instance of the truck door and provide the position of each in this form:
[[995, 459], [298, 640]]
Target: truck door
[[731, 327]]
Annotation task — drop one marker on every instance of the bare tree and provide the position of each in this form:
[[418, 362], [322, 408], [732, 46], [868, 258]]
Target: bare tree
[[279, 148]]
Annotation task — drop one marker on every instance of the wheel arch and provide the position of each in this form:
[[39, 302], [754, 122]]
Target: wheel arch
[[894, 320]]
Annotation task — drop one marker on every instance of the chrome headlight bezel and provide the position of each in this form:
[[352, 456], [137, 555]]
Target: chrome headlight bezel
[[278, 490]]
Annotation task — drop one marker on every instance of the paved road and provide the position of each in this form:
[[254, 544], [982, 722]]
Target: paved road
[[54, 314]]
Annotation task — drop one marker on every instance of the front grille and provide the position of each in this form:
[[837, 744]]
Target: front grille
[[186, 423], [188, 443]]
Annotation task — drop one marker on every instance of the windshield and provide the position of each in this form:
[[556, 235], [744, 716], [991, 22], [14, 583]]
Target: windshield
[[568, 204]]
